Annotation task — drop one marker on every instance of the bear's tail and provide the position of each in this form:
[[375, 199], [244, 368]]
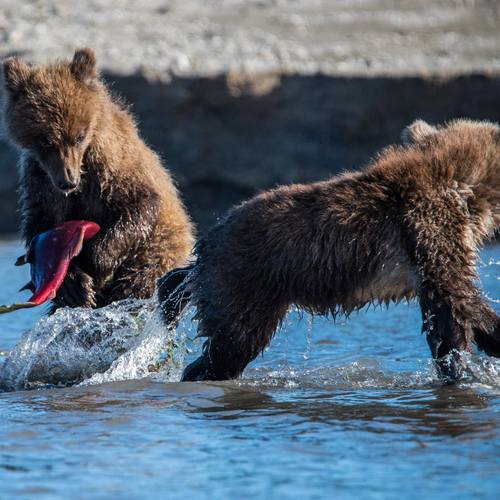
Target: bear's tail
[[174, 293]]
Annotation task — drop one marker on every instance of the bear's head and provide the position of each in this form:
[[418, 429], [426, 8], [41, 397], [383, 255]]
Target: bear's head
[[51, 112]]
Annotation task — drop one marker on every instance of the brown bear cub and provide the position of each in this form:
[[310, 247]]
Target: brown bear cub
[[408, 225], [82, 158]]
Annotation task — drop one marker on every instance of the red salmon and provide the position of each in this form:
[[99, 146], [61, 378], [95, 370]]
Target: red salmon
[[49, 254]]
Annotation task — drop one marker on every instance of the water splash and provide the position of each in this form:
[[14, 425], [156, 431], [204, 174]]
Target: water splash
[[122, 341], [365, 373], [309, 337], [128, 340], [475, 369]]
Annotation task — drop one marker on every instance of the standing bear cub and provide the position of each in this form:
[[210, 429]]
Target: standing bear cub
[[82, 158], [406, 226]]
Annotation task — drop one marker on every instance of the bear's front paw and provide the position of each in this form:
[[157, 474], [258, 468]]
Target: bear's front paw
[[77, 290]]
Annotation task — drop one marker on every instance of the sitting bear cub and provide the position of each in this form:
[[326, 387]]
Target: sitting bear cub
[[82, 158], [407, 226]]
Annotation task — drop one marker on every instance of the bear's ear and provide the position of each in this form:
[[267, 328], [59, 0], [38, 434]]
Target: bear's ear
[[15, 73], [417, 131], [83, 66]]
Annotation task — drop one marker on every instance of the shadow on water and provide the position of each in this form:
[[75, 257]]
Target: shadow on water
[[437, 411], [433, 411]]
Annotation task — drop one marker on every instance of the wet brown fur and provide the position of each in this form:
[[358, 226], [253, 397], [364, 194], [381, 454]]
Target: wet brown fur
[[407, 226], [82, 158]]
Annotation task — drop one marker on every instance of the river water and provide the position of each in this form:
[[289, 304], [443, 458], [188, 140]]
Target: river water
[[345, 410]]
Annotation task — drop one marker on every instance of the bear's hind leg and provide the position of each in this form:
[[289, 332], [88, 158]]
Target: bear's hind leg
[[453, 309], [487, 332]]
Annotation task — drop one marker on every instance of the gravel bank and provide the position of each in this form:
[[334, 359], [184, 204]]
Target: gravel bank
[[211, 37]]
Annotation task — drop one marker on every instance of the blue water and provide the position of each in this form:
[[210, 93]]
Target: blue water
[[345, 410]]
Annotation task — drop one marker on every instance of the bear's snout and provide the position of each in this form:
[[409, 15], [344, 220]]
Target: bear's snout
[[67, 185], [64, 171], [66, 179]]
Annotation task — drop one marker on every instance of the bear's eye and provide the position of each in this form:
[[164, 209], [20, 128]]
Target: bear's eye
[[80, 138]]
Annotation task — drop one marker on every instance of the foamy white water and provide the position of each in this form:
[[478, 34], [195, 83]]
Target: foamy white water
[[126, 340]]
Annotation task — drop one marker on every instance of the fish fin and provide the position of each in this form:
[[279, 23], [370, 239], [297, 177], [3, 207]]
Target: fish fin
[[29, 258], [29, 286], [21, 261]]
